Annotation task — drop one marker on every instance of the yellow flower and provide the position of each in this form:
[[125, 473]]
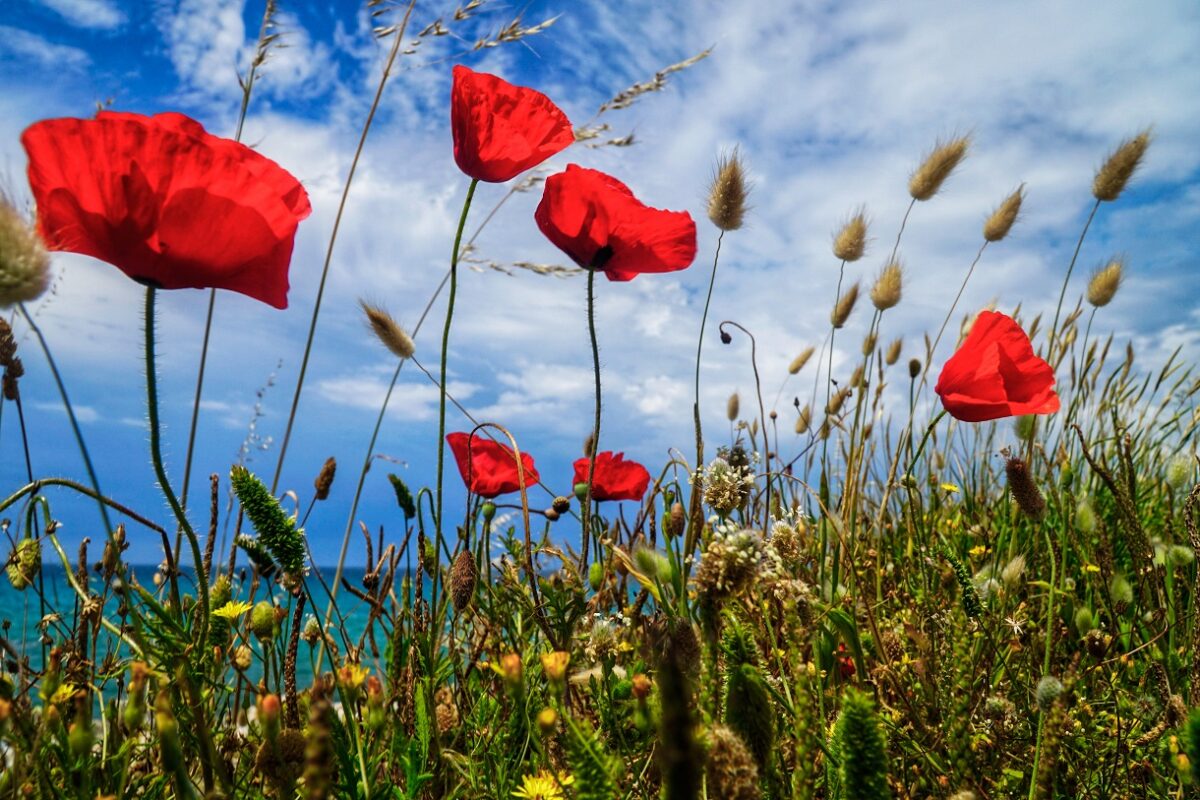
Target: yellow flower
[[351, 676], [950, 487], [555, 665], [232, 610], [977, 550], [543, 786]]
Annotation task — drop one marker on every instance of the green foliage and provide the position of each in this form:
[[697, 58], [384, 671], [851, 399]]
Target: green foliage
[[861, 746], [750, 712], [966, 586], [276, 530], [591, 764]]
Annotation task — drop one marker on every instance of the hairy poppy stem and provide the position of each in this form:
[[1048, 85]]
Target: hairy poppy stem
[[161, 473], [66, 401], [587, 500], [699, 347], [441, 443]]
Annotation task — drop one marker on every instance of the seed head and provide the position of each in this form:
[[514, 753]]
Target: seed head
[[886, 291], [730, 768], [851, 241], [1111, 178], [727, 193], [937, 166], [844, 307], [732, 405], [463, 577], [324, 481], [799, 361], [804, 420], [388, 331], [1001, 221], [914, 368], [1024, 490], [869, 343], [1104, 283], [835, 403], [24, 264], [893, 352], [1048, 690]]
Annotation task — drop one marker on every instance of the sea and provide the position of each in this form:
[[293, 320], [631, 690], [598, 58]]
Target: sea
[[29, 627]]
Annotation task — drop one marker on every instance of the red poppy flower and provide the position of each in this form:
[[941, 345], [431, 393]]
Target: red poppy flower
[[996, 374], [614, 477], [167, 203], [501, 130], [489, 468], [596, 220]]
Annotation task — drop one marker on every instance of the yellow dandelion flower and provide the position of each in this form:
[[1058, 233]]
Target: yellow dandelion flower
[[951, 487], [232, 610], [543, 786]]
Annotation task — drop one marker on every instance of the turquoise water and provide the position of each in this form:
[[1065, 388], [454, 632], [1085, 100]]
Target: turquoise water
[[21, 611]]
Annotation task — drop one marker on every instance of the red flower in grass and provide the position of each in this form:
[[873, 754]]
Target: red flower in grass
[[596, 220], [996, 374], [167, 203], [489, 468], [614, 478], [501, 130]]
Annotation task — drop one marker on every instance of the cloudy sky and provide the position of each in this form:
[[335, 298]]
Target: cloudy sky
[[831, 104]]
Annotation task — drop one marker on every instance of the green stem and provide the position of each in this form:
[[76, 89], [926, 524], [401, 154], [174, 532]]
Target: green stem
[[1067, 279], [699, 347], [441, 440], [587, 500], [161, 473], [66, 401]]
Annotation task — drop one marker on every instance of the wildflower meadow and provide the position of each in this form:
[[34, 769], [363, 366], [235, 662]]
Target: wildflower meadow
[[959, 563]]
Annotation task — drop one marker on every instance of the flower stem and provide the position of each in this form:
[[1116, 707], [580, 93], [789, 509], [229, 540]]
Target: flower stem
[[441, 440], [1067, 279], [699, 347], [587, 500], [66, 401], [161, 473]]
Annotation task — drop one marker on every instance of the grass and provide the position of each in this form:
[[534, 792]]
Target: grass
[[890, 603]]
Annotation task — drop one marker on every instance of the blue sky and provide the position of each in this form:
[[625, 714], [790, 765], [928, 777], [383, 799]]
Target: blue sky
[[832, 105]]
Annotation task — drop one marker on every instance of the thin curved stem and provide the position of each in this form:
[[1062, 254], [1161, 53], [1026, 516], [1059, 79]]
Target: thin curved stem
[[161, 473], [66, 400], [337, 222], [699, 349], [1066, 280], [762, 416], [595, 448]]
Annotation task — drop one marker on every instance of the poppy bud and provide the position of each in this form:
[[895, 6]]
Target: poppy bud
[[262, 620], [551, 514], [677, 520], [596, 576], [726, 338], [488, 511], [914, 368], [581, 490], [561, 504]]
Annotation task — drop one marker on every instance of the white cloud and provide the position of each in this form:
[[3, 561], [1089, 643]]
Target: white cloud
[[24, 46], [98, 14], [85, 414]]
